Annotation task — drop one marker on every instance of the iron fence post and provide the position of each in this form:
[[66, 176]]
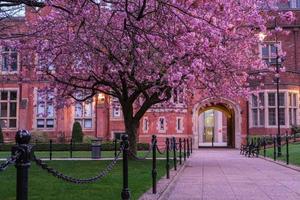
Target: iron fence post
[[287, 149], [115, 141], [154, 171], [274, 147], [180, 151], [184, 149], [22, 163], [265, 146], [125, 194], [174, 154], [191, 145], [71, 148], [168, 158], [50, 150], [188, 147]]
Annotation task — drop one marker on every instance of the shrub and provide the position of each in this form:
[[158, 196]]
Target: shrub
[[1, 136], [39, 137], [295, 129], [87, 139], [77, 134]]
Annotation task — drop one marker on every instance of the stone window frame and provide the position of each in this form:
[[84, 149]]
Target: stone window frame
[[159, 129], [181, 119], [266, 103], [293, 102], [9, 66], [8, 109], [270, 57], [146, 124], [36, 117]]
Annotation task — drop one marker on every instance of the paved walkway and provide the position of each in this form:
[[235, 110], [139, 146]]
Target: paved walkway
[[225, 175]]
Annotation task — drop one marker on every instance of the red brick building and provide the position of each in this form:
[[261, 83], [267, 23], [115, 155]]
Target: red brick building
[[210, 122]]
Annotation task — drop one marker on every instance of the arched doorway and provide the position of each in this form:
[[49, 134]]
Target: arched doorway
[[217, 123]]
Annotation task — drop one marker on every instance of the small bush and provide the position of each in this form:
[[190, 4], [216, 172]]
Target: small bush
[[87, 139], [77, 134], [39, 137], [1, 136]]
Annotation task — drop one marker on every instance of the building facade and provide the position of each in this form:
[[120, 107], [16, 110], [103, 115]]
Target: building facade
[[216, 122]]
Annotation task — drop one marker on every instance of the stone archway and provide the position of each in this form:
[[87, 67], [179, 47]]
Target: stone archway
[[232, 112]]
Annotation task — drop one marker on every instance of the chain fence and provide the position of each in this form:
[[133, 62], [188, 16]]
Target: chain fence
[[144, 157], [70, 179], [10, 161]]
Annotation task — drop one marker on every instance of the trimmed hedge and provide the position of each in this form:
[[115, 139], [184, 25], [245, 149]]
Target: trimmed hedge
[[105, 146], [77, 134]]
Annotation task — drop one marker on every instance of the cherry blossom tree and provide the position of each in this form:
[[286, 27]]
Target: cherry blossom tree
[[138, 51]]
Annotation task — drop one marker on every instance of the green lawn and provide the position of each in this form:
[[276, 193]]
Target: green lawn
[[294, 153], [43, 186], [76, 154]]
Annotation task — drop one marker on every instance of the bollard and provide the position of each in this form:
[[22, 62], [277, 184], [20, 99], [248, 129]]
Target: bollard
[[287, 149], [188, 147], [274, 151], [50, 150], [265, 146], [115, 141], [125, 194], [71, 148], [174, 154], [184, 149], [154, 171], [168, 158], [22, 163], [180, 151]]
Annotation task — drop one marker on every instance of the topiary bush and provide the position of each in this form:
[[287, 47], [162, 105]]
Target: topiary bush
[[77, 134], [1, 136]]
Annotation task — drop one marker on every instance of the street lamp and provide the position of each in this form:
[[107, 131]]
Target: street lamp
[[261, 37]]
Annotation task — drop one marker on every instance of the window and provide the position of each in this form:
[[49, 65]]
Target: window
[[145, 124], [269, 52], [272, 108], [116, 107], [161, 124], [8, 108], [9, 60], [45, 110], [292, 108], [258, 110], [294, 3], [179, 124], [84, 113], [177, 97]]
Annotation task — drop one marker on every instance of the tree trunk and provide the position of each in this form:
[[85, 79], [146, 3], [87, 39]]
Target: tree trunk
[[131, 129]]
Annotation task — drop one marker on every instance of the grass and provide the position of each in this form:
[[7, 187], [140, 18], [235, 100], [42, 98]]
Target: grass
[[43, 186], [294, 153], [76, 154]]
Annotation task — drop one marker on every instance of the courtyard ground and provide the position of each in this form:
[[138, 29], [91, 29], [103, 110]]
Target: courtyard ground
[[225, 175]]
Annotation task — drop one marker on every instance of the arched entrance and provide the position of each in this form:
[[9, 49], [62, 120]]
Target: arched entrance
[[217, 123]]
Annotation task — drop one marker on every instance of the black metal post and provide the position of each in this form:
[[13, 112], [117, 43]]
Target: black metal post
[[287, 149], [191, 145], [184, 149], [168, 157], [265, 146], [115, 141], [71, 148], [125, 194], [212, 140], [154, 171], [180, 151], [274, 153], [188, 147], [174, 154], [22, 163], [50, 150]]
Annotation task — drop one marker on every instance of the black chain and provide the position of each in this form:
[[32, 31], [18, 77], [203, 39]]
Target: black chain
[[9, 161], [144, 157], [70, 179], [160, 151]]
